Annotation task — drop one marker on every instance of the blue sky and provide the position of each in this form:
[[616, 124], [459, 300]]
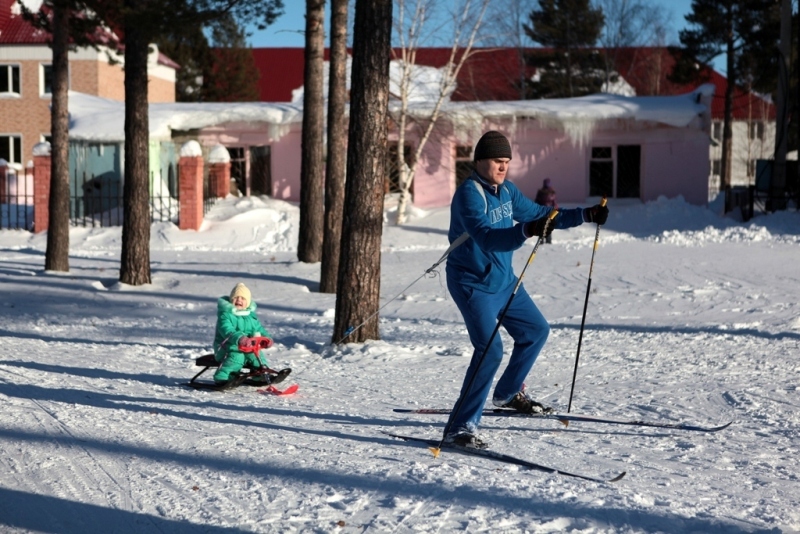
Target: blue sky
[[288, 29]]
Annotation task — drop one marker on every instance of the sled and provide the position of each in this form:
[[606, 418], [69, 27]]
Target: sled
[[207, 361]]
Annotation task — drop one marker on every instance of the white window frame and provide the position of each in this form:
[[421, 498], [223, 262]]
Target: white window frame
[[8, 91], [42, 85], [12, 145]]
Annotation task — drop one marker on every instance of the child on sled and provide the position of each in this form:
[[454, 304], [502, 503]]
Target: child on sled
[[234, 343]]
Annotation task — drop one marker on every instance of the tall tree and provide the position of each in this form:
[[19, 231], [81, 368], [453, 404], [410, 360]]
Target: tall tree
[[570, 66], [718, 27], [630, 23], [135, 261], [70, 26], [335, 162], [506, 31], [187, 45], [358, 291], [57, 253], [231, 75], [141, 21], [312, 214]]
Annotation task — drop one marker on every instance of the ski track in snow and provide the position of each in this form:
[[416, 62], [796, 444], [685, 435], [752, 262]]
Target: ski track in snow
[[696, 324]]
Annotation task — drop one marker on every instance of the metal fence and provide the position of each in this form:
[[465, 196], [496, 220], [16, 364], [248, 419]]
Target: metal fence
[[94, 201], [97, 201]]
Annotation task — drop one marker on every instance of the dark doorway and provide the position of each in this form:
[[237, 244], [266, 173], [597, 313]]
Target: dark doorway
[[628, 171], [260, 170], [238, 168]]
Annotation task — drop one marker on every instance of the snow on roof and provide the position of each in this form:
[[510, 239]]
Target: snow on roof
[[100, 119], [577, 117]]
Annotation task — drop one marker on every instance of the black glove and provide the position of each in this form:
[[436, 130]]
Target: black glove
[[537, 228], [596, 214]]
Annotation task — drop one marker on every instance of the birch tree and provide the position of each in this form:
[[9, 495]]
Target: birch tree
[[410, 23]]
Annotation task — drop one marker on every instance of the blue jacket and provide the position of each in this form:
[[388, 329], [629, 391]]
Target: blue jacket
[[484, 261]]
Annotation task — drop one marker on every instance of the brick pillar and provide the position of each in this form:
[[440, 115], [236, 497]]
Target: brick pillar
[[219, 177], [3, 181], [190, 182], [219, 171], [41, 193]]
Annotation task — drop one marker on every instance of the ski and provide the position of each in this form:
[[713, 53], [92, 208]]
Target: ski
[[566, 419], [488, 453]]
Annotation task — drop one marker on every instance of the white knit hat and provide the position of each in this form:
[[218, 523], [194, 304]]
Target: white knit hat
[[240, 290]]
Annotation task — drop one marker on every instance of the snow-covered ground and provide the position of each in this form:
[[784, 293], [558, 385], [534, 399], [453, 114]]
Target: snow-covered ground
[[692, 317]]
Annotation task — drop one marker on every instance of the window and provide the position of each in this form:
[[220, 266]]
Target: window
[[757, 130], [716, 167], [716, 130], [45, 79], [601, 172], [9, 80], [11, 148], [464, 164]]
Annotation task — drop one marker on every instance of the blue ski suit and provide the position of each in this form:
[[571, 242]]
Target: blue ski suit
[[481, 280]]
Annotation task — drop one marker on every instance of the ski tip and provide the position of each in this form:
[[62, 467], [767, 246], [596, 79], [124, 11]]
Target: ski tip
[[618, 477], [435, 451]]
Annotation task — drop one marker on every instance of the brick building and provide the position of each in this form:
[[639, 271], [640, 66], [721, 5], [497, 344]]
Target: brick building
[[25, 67]]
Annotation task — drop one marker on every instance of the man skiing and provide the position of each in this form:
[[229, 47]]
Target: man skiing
[[481, 280]]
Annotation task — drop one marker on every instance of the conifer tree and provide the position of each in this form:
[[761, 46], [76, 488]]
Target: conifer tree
[[141, 21], [187, 45], [720, 27], [569, 66], [231, 74]]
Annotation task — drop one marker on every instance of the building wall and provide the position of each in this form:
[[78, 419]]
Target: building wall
[[750, 142], [284, 143], [673, 162], [91, 72], [27, 115]]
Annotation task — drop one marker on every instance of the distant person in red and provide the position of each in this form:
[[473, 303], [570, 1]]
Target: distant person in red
[[546, 196]]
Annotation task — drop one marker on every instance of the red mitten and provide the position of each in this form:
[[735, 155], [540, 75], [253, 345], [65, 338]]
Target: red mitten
[[246, 344]]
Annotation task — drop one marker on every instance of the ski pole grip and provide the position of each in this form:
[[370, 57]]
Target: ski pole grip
[[553, 215]]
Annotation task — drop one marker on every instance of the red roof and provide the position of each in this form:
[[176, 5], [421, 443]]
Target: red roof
[[647, 68], [494, 74], [487, 75], [15, 30]]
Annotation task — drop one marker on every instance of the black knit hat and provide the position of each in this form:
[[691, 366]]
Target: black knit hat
[[492, 145]]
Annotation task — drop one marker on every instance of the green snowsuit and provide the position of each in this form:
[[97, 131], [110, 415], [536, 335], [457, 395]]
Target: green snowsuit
[[233, 324]]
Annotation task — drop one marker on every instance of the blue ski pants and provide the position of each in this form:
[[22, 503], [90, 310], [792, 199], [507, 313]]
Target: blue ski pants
[[524, 323]]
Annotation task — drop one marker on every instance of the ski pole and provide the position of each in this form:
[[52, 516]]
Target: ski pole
[[585, 305], [436, 450]]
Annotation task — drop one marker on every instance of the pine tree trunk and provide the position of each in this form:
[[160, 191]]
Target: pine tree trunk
[[358, 292], [335, 164], [57, 254], [312, 214], [727, 131], [135, 263]]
